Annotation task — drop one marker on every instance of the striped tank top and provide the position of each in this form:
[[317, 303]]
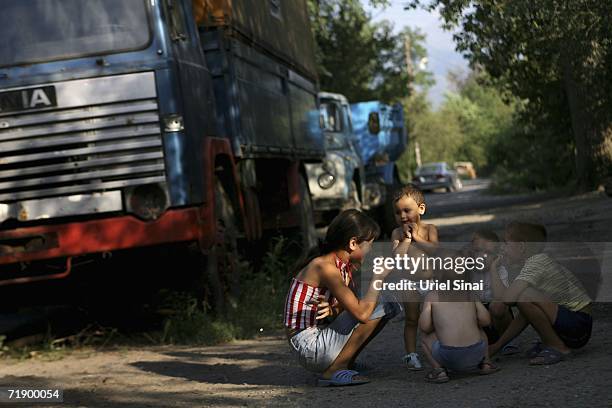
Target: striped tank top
[[300, 313]]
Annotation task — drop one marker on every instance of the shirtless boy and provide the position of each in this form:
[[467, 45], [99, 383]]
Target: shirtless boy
[[453, 339], [417, 238]]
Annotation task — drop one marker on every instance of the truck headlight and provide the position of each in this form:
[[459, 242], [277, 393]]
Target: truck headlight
[[326, 180], [148, 201], [173, 123]]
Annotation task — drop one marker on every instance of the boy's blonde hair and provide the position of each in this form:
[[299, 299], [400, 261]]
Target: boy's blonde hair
[[410, 192]]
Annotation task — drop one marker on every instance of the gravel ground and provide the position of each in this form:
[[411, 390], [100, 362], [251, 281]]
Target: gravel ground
[[261, 371]]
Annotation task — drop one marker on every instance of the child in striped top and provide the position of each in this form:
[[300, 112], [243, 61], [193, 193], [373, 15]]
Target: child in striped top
[[549, 297], [323, 288]]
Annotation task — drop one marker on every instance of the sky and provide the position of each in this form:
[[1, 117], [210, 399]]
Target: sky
[[439, 43]]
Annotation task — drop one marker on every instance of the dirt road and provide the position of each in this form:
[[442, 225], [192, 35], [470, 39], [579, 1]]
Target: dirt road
[[260, 372]]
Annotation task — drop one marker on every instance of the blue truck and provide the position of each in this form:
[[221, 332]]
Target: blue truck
[[336, 184], [380, 139], [363, 141], [133, 123]]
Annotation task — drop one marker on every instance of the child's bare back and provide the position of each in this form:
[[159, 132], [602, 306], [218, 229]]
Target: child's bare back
[[456, 323], [452, 335]]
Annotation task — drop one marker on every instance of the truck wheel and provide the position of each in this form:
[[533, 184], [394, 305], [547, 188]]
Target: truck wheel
[[353, 200], [388, 223], [222, 274], [307, 232]]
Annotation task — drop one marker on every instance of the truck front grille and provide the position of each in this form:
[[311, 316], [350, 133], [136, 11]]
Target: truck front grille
[[80, 150]]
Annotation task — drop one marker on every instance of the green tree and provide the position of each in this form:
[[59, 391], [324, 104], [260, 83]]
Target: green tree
[[484, 116], [555, 56], [359, 58], [474, 123]]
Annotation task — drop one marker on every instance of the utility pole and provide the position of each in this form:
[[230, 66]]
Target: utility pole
[[417, 153], [409, 67], [410, 71]]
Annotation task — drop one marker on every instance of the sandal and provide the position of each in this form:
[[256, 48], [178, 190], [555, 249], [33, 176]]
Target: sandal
[[535, 350], [437, 376], [343, 377], [510, 349], [487, 367], [548, 356]]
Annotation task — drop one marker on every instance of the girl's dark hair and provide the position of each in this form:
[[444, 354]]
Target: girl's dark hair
[[346, 225]]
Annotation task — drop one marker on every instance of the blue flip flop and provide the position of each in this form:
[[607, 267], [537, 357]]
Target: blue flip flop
[[535, 350], [548, 356], [510, 349], [341, 378]]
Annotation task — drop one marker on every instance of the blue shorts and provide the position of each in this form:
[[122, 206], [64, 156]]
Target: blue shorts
[[574, 328], [459, 358]]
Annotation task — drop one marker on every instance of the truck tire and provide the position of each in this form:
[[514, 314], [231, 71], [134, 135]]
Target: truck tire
[[387, 219], [222, 273], [307, 233]]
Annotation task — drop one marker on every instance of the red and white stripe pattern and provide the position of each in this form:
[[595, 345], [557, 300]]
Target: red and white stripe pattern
[[346, 269], [301, 304], [300, 313]]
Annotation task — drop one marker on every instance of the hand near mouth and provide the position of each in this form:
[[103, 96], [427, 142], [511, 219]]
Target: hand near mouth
[[407, 230], [413, 227]]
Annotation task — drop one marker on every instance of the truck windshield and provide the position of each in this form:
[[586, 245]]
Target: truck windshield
[[333, 125], [45, 30]]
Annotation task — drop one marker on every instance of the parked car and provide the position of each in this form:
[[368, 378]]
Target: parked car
[[465, 169], [436, 175]]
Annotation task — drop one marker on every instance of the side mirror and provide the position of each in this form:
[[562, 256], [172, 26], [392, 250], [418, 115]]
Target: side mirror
[[374, 123]]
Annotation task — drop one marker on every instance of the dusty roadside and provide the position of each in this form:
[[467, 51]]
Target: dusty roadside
[[261, 372]]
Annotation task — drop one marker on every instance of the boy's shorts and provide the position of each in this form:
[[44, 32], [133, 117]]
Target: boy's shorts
[[459, 358], [316, 348], [574, 328]]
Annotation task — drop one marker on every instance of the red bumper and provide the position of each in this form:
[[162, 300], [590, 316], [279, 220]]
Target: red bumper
[[109, 234]]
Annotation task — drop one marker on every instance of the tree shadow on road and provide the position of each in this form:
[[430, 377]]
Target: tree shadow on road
[[200, 356], [267, 374]]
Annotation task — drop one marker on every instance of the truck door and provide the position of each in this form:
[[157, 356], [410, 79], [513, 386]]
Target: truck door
[[195, 89]]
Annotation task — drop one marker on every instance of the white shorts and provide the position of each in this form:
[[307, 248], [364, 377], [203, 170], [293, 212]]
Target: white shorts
[[316, 348]]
